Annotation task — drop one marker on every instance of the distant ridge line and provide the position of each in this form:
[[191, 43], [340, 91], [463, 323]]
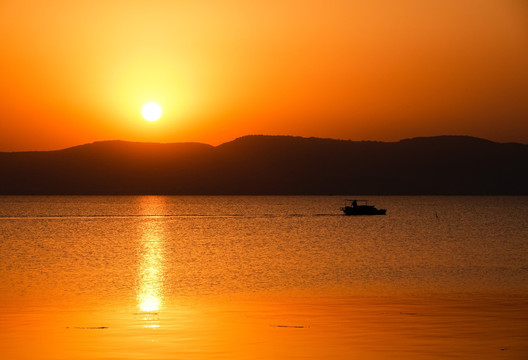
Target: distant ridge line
[[119, 141], [272, 165]]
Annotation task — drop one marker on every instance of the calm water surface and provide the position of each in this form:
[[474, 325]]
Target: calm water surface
[[263, 278]]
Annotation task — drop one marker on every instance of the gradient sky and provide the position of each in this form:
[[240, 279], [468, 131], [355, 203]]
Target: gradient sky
[[73, 72]]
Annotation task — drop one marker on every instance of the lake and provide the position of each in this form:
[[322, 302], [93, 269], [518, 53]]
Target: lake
[[262, 277]]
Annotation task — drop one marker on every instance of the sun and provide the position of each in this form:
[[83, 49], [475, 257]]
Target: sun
[[151, 111]]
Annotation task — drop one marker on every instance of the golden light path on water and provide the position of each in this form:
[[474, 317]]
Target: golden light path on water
[[151, 271]]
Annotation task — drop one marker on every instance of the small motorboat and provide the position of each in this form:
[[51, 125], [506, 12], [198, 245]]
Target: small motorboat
[[361, 207]]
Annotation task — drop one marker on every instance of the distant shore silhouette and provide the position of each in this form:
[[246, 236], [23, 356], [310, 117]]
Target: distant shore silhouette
[[273, 165]]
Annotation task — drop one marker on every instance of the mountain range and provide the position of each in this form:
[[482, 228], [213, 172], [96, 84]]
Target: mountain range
[[273, 165]]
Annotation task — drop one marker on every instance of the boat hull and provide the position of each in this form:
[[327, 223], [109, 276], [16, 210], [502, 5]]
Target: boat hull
[[363, 210]]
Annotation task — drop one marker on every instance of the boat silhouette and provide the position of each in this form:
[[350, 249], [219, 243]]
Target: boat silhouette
[[361, 207]]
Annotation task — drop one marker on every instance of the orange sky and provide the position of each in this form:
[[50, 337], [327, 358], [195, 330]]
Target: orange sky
[[73, 72]]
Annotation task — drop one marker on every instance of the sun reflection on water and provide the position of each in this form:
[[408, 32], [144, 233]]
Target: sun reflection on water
[[151, 286], [149, 302], [151, 270]]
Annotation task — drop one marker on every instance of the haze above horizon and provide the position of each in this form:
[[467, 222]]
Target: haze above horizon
[[78, 72]]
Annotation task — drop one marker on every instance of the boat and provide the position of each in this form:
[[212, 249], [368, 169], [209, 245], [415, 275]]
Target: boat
[[361, 207]]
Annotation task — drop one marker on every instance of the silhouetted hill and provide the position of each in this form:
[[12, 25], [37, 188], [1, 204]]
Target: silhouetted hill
[[273, 165]]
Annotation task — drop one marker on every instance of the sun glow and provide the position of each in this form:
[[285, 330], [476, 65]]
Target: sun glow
[[151, 111]]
